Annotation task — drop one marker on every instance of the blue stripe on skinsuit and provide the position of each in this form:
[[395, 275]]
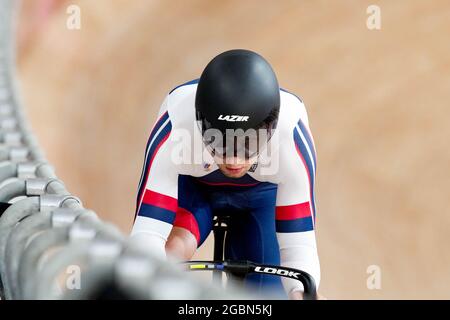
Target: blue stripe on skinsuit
[[304, 152], [303, 129], [157, 213], [156, 127], [153, 147], [296, 225], [308, 140]]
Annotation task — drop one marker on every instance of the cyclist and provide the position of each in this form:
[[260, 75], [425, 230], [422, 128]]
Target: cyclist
[[256, 164]]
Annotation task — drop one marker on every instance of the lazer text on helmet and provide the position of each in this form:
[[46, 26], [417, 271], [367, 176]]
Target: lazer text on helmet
[[233, 118]]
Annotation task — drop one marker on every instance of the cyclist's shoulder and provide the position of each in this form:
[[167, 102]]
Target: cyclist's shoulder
[[184, 88], [291, 102], [290, 95], [180, 102], [292, 110]]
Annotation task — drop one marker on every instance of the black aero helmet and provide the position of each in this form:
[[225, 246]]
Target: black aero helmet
[[238, 90]]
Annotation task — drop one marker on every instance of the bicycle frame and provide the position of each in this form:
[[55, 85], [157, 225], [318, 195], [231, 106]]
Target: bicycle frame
[[241, 269]]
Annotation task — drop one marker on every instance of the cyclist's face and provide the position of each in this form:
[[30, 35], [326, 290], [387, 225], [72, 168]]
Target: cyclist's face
[[234, 167]]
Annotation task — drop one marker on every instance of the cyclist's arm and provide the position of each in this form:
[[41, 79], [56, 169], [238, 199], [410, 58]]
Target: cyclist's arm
[[157, 193], [295, 212]]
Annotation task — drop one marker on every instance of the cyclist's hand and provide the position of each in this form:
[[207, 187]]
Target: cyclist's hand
[[298, 295]]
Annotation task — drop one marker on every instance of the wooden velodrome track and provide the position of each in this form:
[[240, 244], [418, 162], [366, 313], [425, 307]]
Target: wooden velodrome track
[[377, 103]]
